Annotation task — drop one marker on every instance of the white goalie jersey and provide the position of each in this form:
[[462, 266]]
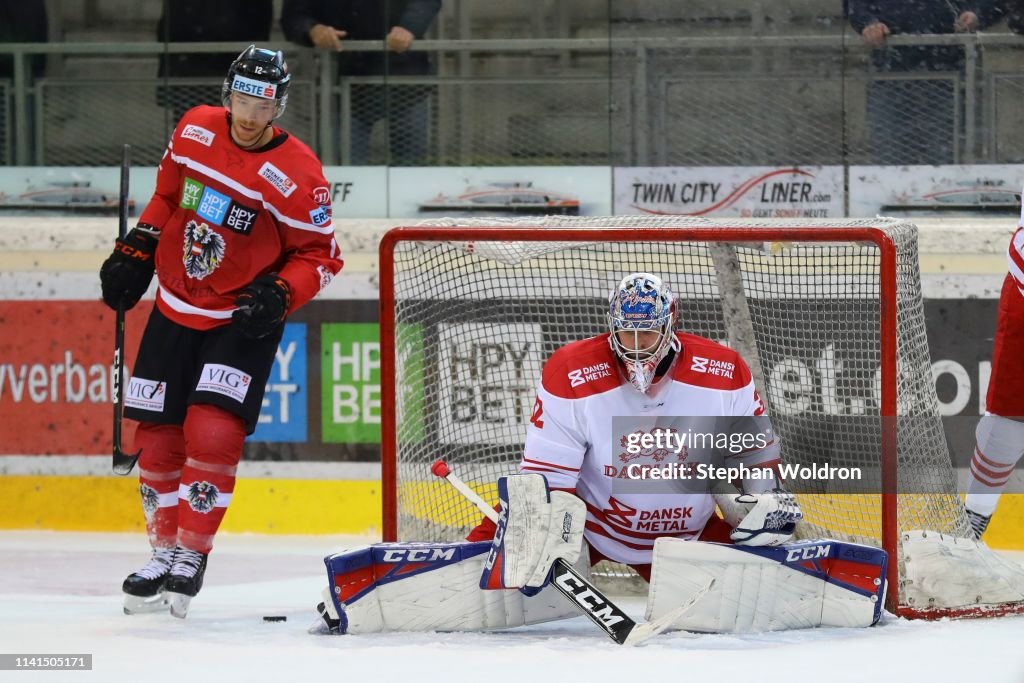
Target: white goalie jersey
[[571, 439]]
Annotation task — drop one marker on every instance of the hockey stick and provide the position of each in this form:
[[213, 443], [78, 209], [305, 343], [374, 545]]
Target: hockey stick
[[579, 590], [122, 462]]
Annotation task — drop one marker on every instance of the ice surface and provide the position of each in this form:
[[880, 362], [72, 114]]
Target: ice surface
[[60, 594]]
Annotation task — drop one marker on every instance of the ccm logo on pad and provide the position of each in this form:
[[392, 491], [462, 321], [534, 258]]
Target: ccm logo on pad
[[419, 554], [809, 553]]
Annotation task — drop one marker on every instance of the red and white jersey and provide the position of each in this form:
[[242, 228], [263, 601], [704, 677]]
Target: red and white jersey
[[1005, 395], [228, 215], [1015, 257], [570, 437]]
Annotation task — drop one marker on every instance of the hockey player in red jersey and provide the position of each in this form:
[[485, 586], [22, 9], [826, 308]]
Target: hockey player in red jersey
[[239, 235], [1000, 432], [643, 367]]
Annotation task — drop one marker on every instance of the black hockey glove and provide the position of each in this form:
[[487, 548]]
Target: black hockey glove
[[126, 274], [262, 306]]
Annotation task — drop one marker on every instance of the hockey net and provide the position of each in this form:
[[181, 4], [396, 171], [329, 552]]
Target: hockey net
[[828, 314]]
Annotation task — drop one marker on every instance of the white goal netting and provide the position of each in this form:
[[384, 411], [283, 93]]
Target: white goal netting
[[477, 313]]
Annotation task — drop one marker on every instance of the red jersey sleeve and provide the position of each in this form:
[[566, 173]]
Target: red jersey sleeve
[[164, 201], [310, 251]]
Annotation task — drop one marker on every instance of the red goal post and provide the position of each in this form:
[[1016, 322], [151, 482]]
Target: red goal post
[[842, 297]]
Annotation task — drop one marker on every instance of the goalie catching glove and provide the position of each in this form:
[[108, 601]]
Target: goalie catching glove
[[770, 518], [535, 528]]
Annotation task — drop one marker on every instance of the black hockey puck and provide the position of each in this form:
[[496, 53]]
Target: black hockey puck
[[272, 618]]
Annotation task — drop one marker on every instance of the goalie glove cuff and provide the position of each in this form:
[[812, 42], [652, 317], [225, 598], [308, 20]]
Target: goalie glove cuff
[[771, 520]]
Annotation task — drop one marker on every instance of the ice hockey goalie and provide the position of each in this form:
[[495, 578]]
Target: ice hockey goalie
[[581, 495]]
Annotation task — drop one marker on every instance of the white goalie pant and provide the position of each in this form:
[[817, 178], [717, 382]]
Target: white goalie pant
[[804, 584], [429, 587]]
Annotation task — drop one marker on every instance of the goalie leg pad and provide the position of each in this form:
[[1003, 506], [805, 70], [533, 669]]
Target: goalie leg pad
[[428, 587], [799, 585]]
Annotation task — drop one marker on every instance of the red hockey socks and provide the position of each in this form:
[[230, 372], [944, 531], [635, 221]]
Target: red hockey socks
[[163, 455], [213, 443]]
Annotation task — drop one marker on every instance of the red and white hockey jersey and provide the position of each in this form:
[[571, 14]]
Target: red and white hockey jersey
[[1015, 256], [228, 215], [570, 437], [1006, 383]]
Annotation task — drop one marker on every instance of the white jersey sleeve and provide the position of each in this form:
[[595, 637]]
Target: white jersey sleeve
[[765, 452], [555, 443]]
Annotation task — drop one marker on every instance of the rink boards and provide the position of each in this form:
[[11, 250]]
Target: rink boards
[[318, 489]]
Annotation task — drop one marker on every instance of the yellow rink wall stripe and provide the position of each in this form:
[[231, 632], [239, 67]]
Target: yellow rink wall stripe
[[272, 506], [1007, 528], [266, 506]]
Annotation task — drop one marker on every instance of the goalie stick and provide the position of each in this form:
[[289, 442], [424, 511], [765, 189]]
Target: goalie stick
[[122, 462], [579, 590]]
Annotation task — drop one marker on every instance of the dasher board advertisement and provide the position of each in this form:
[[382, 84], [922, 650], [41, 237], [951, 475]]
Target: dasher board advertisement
[[968, 190], [72, 190], [507, 191], [736, 191]]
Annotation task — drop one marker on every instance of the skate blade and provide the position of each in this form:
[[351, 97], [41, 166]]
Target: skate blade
[[179, 604], [134, 604]]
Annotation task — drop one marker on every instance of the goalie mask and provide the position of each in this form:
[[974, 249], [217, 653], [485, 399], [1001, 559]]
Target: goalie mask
[[642, 316]]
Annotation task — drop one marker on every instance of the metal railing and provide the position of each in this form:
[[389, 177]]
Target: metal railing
[[689, 101], [6, 148]]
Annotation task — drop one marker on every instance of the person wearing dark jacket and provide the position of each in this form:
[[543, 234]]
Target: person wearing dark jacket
[[1014, 10], [911, 99], [23, 21], [194, 21], [326, 24]]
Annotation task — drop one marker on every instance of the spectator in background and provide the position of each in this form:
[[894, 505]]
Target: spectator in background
[[199, 21], [911, 118], [327, 23], [23, 21], [1014, 10]]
